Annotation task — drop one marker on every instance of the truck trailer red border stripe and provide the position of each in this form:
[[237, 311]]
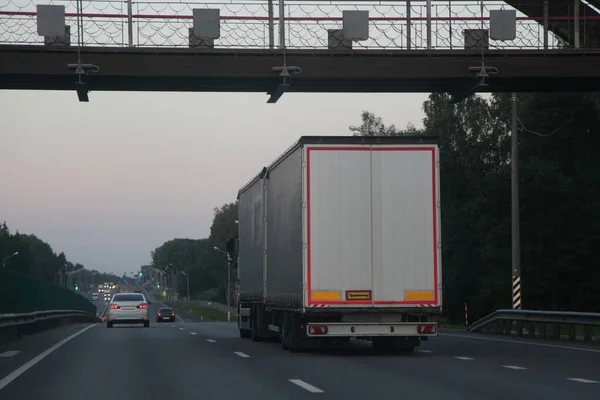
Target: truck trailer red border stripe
[[435, 301]]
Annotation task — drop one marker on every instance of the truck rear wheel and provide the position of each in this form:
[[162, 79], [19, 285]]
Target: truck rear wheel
[[254, 326], [284, 337], [245, 333]]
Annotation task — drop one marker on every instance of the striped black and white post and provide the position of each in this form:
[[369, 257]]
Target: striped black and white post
[[516, 292], [515, 234]]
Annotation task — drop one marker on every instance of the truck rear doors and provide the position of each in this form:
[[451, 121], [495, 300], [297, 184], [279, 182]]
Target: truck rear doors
[[372, 233]]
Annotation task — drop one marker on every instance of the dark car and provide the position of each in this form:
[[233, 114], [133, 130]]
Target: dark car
[[165, 314]]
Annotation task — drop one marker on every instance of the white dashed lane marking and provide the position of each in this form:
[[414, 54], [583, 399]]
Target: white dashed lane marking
[[211, 340], [180, 329], [581, 380], [10, 353], [464, 358], [513, 367], [306, 386], [239, 353], [425, 351], [192, 333]]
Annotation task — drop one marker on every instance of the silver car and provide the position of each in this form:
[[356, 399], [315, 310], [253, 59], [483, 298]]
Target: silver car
[[128, 308]]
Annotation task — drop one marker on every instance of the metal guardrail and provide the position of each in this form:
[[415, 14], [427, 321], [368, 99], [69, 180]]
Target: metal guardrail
[[534, 323], [12, 326]]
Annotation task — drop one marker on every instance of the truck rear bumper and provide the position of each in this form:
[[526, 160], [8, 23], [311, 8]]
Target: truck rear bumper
[[371, 329]]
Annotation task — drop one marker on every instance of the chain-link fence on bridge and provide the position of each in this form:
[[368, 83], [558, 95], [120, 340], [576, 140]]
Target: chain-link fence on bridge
[[254, 24]]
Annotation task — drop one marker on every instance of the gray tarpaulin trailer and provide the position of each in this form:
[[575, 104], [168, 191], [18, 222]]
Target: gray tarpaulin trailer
[[340, 237]]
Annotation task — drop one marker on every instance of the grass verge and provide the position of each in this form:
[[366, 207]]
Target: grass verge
[[204, 313]]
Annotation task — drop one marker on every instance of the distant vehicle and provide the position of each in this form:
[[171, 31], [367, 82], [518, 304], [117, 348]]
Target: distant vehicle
[[95, 296], [165, 314], [128, 308]]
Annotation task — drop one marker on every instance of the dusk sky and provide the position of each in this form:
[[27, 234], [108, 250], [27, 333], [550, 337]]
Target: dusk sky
[[109, 181]]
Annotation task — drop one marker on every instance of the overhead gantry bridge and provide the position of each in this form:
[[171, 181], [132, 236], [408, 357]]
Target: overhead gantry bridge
[[300, 46]]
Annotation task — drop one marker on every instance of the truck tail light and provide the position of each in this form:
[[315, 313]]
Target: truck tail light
[[317, 330], [426, 329]]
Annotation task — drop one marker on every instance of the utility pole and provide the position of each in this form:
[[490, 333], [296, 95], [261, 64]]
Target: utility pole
[[514, 180]]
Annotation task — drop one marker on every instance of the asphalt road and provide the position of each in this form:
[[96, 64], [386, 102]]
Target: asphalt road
[[183, 361]]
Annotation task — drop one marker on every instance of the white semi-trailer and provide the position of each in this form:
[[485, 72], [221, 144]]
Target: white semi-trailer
[[339, 238]]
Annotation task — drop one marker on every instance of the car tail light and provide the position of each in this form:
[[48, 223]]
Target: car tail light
[[426, 329], [158, 315], [317, 330], [114, 307], [143, 305], [173, 313]]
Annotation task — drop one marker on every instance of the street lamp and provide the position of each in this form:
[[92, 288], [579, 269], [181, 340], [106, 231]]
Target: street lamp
[[355, 130], [16, 253], [188, 284], [228, 283]]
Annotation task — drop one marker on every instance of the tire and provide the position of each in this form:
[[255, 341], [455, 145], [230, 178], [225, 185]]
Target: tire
[[245, 333], [146, 324], [109, 324], [284, 336]]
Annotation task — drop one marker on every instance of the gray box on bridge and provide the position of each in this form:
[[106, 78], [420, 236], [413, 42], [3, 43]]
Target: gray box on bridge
[[50, 20], [355, 25], [198, 42], [207, 23], [503, 24], [64, 40]]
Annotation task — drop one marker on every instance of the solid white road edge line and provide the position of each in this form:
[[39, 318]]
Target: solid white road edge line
[[239, 353], [520, 342], [306, 386], [23, 368]]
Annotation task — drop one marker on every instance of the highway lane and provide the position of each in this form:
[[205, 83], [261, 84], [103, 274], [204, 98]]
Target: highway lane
[[447, 366], [209, 360]]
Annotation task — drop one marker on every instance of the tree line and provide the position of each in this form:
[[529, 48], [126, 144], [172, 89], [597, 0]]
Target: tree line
[[28, 254], [559, 176], [205, 266], [559, 143]]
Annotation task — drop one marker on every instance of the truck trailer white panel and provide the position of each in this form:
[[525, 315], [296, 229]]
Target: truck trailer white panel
[[338, 188], [406, 259], [372, 226]]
